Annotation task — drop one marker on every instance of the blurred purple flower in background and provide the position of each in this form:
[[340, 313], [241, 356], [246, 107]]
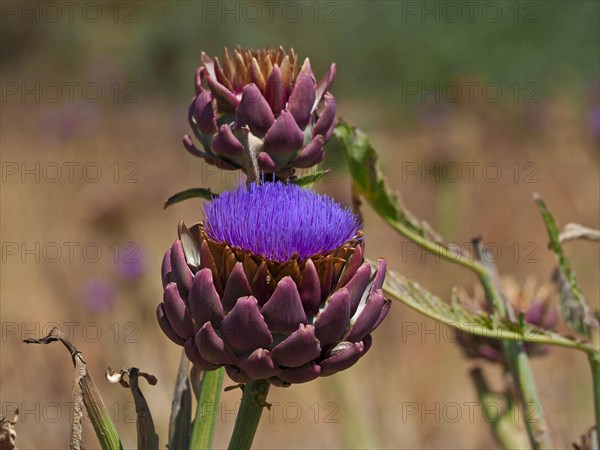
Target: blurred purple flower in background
[[71, 120], [132, 263], [594, 120], [99, 294]]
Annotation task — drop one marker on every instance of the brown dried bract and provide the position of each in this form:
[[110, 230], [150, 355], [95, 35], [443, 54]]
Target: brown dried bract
[[8, 434]]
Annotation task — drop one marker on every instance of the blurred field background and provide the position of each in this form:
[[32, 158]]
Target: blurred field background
[[81, 247]]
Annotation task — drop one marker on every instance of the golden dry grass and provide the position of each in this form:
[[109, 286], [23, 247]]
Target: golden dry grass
[[369, 403]]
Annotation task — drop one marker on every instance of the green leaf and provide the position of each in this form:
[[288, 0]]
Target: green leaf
[[461, 318], [85, 392], [204, 193], [370, 184], [574, 309], [203, 431], [181, 408], [310, 178], [363, 164]]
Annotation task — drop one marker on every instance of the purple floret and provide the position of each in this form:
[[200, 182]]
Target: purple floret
[[278, 220]]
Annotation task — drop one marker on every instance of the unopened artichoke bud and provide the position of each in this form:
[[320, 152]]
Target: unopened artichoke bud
[[262, 91], [533, 301], [272, 284]]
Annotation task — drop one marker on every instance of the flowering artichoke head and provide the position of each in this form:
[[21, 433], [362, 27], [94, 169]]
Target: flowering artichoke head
[[272, 284]]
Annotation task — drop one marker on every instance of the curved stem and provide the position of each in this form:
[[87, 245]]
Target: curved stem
[[254, 400], [437, 249]]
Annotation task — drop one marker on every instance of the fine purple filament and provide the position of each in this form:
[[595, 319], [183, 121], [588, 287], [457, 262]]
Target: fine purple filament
[[278, 221]]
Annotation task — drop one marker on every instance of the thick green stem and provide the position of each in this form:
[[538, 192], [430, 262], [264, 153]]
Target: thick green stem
[[594, 359], [533, 411], [254, 400], [504, 427], [495, 299], [206, 410], [518, 362]]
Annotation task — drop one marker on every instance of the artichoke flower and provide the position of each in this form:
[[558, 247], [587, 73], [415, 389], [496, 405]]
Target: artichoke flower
[[256, 113], [531, 300], [272, 284]]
